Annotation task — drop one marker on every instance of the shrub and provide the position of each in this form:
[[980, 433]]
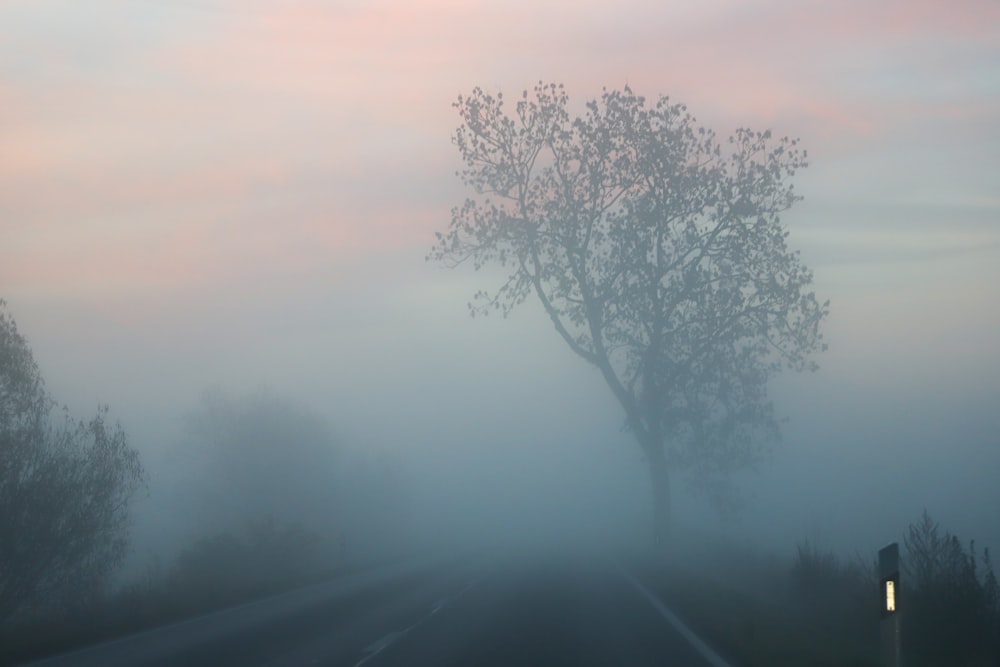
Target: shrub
[[226, 567], [952, 602], [65, 489], [841, 597]]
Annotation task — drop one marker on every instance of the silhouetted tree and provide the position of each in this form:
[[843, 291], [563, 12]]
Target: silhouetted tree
[[261, 455], [658, 255], [952, 599], [65, 486]]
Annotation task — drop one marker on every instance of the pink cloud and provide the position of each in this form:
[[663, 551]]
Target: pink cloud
[[403, 64], [923, 20], [306, 131]]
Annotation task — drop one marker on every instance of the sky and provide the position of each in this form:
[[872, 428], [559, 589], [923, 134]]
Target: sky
[[241, 193]]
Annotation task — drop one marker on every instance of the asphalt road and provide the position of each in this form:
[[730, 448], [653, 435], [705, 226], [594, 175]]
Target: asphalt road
[[511, 614]]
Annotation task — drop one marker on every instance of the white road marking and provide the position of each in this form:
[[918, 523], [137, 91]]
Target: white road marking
[[388, 640], [382, 644], [706, 652]]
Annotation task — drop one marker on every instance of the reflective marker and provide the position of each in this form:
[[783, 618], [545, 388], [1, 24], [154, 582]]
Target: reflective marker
[[888, 572]]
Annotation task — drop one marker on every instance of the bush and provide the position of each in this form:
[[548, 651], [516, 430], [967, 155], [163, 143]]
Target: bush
[[215, 572], [815, 572], [225, 567], [952, 613], [839, 597], [65, 488]]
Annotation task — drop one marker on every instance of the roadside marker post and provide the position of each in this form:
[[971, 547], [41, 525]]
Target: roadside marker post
[[888, 574]]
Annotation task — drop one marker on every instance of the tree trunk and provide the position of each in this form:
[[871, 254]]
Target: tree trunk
[[660, 479]]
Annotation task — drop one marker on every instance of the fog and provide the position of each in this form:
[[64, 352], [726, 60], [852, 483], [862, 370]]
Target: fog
[[503, 438], [277, 258]]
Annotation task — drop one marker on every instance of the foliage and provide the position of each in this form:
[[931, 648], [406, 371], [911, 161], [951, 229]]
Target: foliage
[[260, 455], [815, 609], [264, 558], [949, 601], [659, 257], [65, 487], [839, 596], [816, 572], [951, 598], [824, 610], [224, 566]]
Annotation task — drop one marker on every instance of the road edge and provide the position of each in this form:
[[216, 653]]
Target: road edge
[[706, 651]]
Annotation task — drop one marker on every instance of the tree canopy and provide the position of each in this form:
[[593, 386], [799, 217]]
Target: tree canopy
[[65, 486], [260, 455], [658, 253]]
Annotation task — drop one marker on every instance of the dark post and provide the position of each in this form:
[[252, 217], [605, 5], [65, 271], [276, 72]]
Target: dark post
[[888, 574]]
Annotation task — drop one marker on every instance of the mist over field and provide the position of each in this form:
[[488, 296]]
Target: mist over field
[[502, 435]]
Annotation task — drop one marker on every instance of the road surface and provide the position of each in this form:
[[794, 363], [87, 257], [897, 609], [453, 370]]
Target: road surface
[[512, 614]]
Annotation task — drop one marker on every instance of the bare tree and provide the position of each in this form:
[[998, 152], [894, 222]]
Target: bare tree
[[658, 255], [65, 486]]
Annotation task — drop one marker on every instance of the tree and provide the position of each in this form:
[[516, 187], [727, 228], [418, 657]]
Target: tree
[[261, 455], [952, 598], [659, 257], [65, 487]]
